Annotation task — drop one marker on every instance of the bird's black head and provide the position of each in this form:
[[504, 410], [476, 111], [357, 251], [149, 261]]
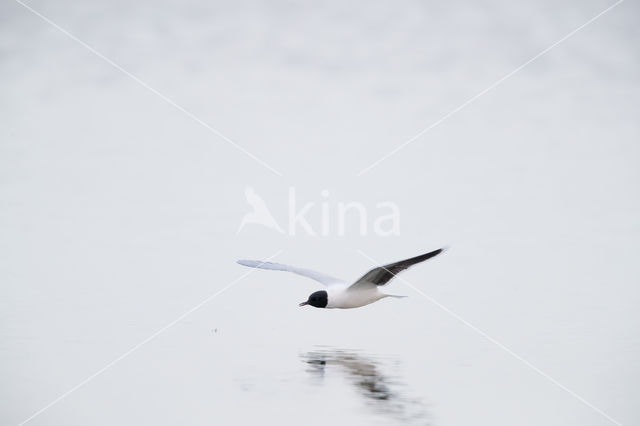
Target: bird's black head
[[319, 299]]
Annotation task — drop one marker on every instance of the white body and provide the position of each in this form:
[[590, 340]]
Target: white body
[[342, 297]]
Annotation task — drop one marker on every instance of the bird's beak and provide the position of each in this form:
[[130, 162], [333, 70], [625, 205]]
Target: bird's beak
[[303, 303]]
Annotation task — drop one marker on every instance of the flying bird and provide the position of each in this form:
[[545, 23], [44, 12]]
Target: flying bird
[[342, 294]]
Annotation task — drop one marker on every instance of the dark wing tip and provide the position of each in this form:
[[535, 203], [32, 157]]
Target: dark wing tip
[[429, 255], [439, 251]]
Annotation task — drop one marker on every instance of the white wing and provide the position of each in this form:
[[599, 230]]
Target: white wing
[[318, 276]]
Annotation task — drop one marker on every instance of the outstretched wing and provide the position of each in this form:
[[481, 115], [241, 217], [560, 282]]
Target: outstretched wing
[[318, 276], [383, 274]]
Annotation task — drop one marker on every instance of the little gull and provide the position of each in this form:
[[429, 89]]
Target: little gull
[[342, 294]]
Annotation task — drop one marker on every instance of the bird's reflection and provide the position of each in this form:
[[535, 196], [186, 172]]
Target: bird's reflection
[[385, 394]]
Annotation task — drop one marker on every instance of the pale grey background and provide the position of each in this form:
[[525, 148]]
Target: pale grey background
[[119, 213]]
